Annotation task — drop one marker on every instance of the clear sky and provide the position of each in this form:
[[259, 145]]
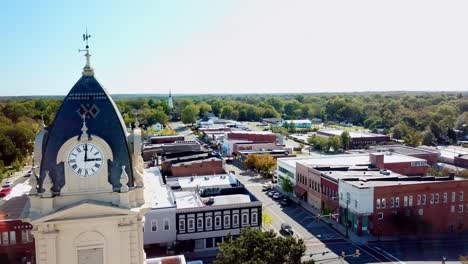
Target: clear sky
[[238, 46]]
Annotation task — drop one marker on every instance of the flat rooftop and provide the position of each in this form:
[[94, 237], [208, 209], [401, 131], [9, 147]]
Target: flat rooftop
[[352, 134], [346, 160], [327, 160], [193, 200], [157, 194], [367, 182], [251, 132], [400, 149], [205, 181]]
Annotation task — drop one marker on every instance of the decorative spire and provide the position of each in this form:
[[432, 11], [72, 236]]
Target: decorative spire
[[137, 124], [87, 70], [124, 180], [47, 185], [84, 130], [33, 182]]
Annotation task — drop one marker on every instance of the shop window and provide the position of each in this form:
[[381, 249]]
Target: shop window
[[208, 222], [254, 218], [235, 219], [209, 242], [200, 223], [182, 224], [380, 216], [227, 220], [217, 221], [191, 224], [199, 243], [13, 235]]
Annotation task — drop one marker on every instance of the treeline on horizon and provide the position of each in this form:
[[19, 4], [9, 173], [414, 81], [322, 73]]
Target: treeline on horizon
[[428, 118]]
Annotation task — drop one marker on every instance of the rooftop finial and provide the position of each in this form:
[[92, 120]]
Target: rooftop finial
[[84, 129], [87, 70]]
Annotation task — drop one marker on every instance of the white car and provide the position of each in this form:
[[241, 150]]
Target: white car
[[7, 184]]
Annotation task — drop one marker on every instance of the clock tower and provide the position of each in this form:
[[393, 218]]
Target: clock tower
[[87, 199]]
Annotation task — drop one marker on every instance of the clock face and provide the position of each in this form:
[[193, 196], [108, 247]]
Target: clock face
[[85, 159]]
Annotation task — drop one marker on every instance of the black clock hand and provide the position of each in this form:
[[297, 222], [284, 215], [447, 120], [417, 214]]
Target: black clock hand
[[86, 152], [97, 159]]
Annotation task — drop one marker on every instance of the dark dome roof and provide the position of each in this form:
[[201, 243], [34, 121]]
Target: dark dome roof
[[103, 119]]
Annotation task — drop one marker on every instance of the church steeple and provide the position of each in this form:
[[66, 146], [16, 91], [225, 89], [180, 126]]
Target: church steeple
[[87, 70], [169, 101]]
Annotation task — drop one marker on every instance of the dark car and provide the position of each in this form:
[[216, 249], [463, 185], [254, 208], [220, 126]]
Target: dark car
[[266, 187], [286, 229], [285, 202], [277, 196]]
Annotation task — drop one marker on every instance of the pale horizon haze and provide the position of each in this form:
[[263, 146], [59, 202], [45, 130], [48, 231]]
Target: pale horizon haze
[[238, 46]]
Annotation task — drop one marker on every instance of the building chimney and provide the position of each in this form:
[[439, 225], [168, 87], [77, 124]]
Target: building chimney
[[377, 159]]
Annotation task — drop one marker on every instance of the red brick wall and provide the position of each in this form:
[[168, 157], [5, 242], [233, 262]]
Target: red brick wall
[[310, 180], [406, 169], [329, 195], [435, 218], [11, 253], [206, 167], [253, 137], [461, 161]]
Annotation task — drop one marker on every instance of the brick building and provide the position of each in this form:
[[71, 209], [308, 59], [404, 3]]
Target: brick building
[[404, 205], [359, 139], [431, 156], [233, 137], [165, 139], [16, 241], [199, 164], [317, 178]]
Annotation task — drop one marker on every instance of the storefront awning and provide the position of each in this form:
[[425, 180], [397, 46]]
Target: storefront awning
[[300, 192]]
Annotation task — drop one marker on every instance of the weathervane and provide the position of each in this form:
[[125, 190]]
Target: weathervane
[[87, 70]]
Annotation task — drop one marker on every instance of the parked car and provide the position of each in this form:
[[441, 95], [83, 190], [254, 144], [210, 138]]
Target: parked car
[[266, 187], [7, 184], [28, 174], [285, 202], [286, 229], [277, 196], [5, 191]]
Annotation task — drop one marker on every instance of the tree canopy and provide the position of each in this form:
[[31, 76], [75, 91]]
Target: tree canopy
[[256, 246]]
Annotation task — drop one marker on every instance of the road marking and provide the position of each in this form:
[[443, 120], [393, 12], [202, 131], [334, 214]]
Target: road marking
[[388, 254], [363, 250]]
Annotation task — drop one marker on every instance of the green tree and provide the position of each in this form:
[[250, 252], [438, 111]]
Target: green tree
[[428, 138], [345, 140], [413, 138], [256, 246], [204, 108], [287, 185], [190, 114]]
